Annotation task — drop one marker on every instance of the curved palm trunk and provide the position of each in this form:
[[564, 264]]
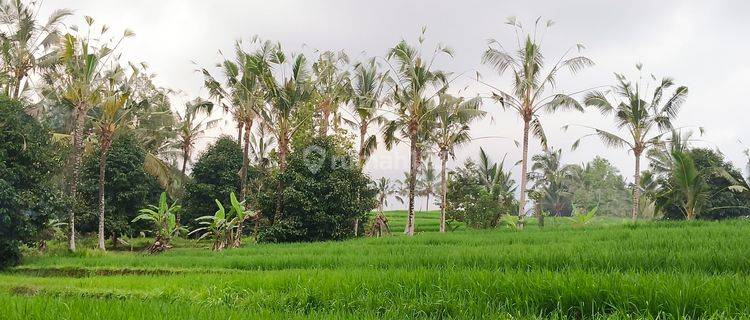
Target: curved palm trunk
[[414, 166], [105, 144], [443, 188], [637, 187], [80, 119], [524, 178]]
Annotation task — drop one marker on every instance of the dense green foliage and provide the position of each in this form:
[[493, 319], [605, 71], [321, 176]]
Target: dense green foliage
[[665, 270], [600, 185], [27, 197], [478, 194], [129, 188], [721, 202], [325, 191], [214, 176]]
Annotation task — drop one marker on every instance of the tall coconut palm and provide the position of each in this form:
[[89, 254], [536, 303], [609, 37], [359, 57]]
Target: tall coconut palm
[[332, 87], [453, 117], [113, 113], [369, 87], [26, 43], [533, 87], [285, 95], [189, 129], [416, 86], [643, 121], [243, 94], [79, 79]]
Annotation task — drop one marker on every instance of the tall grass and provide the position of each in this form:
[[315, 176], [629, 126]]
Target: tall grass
[[656, 270]]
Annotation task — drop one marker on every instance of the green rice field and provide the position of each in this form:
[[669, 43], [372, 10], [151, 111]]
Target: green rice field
[[664, 270]]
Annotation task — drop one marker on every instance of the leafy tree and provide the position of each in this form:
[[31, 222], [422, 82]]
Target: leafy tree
[[531, 88], [214, 176], [645, 122], [480, 194], [129, 187], [416, 85], [325, 191], [27, 198], [599, 184]]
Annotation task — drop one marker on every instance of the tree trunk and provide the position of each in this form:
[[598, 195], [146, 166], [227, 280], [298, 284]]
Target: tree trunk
[[185, 159], [80, 118], [245, 161], [524, 178], [637, 187], [323, 130], [104, 145], [414, 166], [240, 125], [283, 144], [443, 188]]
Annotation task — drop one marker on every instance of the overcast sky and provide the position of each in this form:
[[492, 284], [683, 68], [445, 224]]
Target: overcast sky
[[701, 44]]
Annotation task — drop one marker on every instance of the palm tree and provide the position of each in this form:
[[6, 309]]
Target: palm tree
[[26, 44], [427, 181], [285, 95], [79, 80], [368, 89], [553, 181], [386, 189], [332, 87], [453, 116], [189, 129], [413, 103], [531, 87], [644, 122], [688, 182], [243, 90], [113, 117]]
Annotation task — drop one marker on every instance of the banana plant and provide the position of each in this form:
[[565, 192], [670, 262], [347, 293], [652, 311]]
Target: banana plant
[[214, 226], [581, 219], [236, 224], [164, 221]]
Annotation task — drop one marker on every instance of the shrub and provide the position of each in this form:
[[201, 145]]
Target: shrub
[[27, 198], [325, 191], [214, 176]]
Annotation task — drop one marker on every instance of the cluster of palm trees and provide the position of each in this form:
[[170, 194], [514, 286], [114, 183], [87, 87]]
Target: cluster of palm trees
[[274, 96]]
